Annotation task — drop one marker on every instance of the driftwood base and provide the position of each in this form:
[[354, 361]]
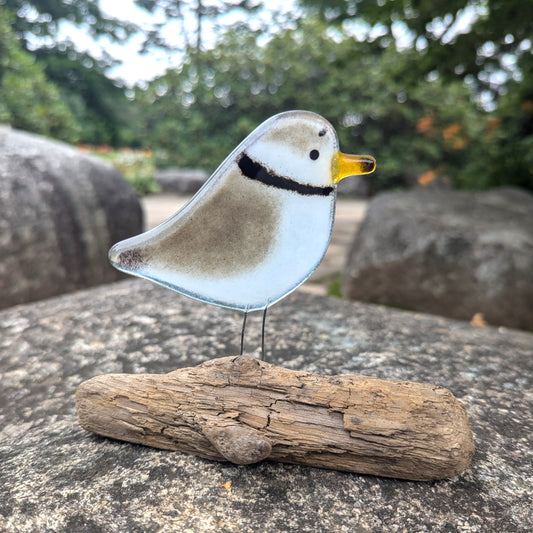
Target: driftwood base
[[243, 410]]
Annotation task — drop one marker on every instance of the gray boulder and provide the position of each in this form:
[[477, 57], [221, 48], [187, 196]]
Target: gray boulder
[[55, 477], [60, 211], [449, 253], [354, 187], [181, 180]]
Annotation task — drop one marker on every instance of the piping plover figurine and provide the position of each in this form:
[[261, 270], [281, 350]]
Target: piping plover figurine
[[259, 226]]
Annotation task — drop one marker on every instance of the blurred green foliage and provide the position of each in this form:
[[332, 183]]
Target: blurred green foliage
[[223, 94], [27, 99], [41, 18], [456, 38], [98, 104], [334, 287], [454, 104], [137, 166], [504, 155], [56, 90]]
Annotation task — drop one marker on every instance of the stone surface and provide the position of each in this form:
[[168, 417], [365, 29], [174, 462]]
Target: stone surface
[[181, 180], [449, 253], [355, 187], [60, 211], [56, 477]]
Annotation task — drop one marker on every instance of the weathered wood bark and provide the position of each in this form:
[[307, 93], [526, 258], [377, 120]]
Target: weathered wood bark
[[243, 410]]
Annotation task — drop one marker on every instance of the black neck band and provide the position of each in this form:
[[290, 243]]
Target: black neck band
[[255, 171]]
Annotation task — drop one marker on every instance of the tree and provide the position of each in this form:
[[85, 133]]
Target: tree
[[80, 83], [479, 39], [36, 19], [98, 103], [199, 113], [504, 154], [486, 43], [198, 11], [27, 99]]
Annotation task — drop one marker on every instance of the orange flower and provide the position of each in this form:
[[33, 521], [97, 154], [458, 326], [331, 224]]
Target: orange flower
[[427, 177], [459, 144], [527, 106], [451, 131], [493, 123], [424, 125]]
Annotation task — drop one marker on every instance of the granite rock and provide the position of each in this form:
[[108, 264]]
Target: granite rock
[[451, 253], [60, 212], [354, 187], [56, 477], [181, 180]]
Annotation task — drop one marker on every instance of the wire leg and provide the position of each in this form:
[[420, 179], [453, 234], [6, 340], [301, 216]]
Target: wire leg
[[242, 331], [263, 334]]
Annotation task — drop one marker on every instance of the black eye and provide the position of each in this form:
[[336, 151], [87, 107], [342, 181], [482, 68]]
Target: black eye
[[313, 154]]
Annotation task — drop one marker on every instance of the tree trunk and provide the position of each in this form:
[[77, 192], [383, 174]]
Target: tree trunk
[[244, 410]]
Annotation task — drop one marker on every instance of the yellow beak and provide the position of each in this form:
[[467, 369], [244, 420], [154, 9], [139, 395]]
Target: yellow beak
[[345, 165]]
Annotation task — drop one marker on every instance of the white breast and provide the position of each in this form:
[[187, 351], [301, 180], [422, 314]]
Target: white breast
[[303, 237]]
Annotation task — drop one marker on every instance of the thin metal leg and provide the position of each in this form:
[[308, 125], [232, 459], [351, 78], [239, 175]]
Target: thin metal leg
[[242, 332], [263, 334]]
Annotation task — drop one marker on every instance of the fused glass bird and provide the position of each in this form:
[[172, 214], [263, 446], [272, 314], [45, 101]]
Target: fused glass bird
[[259, 226]]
